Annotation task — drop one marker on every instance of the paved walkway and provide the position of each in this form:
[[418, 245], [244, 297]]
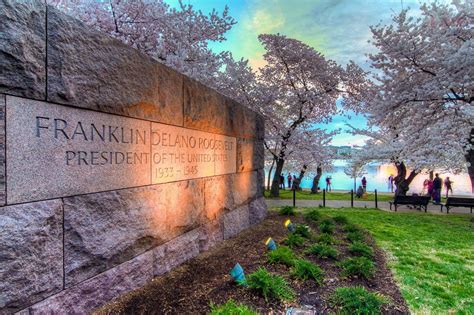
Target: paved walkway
[[383, 205]]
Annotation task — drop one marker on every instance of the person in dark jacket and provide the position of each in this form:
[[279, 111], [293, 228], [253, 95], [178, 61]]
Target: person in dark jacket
[[437, 185]]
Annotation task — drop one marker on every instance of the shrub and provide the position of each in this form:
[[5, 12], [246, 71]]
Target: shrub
[[294, 240], [361, 249], [305, 270], [351, 228], [303, 230], [282, 255], [287, 210], [270, 286], [322, 251], [325, 238], [340, 219], [356, 300], [357, 236], [358, 266], [313, 215], [231, 308], [327, 226]]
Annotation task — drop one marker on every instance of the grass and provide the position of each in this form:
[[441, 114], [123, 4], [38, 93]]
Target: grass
[[313, 215], [281, 255], [270, 286], [357, 300], [287, 210], [432, 256], [306, 270], [327, 226], [294, 240], [307, 195], [325, 238], [231, 308], [322, 251], [361, 249], [302, 230], [357, 266]]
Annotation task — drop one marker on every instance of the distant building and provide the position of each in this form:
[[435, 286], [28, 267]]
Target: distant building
[[341, 151]]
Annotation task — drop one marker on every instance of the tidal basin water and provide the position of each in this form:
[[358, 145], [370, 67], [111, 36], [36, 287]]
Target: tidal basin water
[[377, 178]]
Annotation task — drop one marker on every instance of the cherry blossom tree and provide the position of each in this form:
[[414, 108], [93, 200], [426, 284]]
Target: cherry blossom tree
[[297, 87], [423, 91], [177, 37]]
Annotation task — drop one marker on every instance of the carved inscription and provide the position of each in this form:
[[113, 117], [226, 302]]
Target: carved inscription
[[55, 151]]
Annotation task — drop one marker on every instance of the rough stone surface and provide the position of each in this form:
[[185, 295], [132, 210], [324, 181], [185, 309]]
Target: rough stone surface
[[176, 252], [205, 109], [218, 196], [250, 155], [245, 187], [3, 188], [90, 294], [92, 70], [105, 229], [236, 221], [31, 256], [257, 210], [23, 48]]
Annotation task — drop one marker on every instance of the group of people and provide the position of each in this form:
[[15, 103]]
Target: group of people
[[362, 189], [290, 179], [434, 187]]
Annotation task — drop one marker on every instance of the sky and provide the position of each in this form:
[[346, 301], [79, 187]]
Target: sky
[[339, 29]]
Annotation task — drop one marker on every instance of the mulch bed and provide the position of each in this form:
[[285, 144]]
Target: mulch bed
[[190, 288]]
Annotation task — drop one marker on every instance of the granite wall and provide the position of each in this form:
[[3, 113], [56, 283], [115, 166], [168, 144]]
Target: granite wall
[[71, 253]]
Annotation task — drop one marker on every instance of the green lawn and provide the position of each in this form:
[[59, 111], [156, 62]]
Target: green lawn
[[307, 195], [432, 256]]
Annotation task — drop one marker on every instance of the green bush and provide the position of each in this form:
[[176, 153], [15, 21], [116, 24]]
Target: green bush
[[231, 308], [357, 236], [327, 226], [270, 286], [305, 270], [281, 255], [358, 266], [313, 215], [361, 249], [303, 230], [356, 300], [287, 210], [351, 228], [322, 251], [294, 240], [340, 219], [325, 238]]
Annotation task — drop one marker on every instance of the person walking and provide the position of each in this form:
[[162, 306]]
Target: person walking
[[364, 184], [390, 183], [449, 186], [289, 179], [437, 185], [430, 188]]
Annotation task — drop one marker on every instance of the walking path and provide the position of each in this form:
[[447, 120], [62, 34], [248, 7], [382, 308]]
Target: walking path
[[382, 205]]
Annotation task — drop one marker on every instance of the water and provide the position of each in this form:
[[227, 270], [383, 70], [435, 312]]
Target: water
[[377, 178]]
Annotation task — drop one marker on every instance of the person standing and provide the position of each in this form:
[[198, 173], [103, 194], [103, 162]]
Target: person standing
[[449, 186], [425, 187], [364, 184], [390, 183], [289, 179], [328, 183], [437, 185], [282, 181]]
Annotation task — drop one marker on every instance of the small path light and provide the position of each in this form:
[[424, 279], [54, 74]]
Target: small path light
[[271, 245], [289, 225], [238, 274]]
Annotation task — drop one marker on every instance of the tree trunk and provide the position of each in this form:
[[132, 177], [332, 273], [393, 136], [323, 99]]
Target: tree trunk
[[314, 188], [401, 180], [300, 177], [470, 159], [275, 190], [355, 184], [270, 174]]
